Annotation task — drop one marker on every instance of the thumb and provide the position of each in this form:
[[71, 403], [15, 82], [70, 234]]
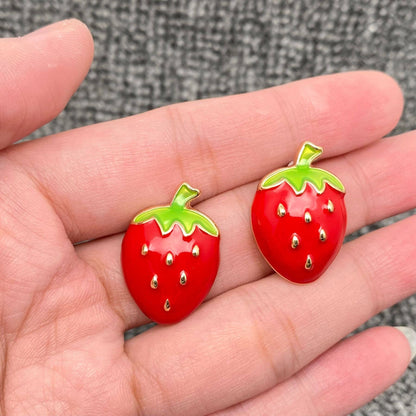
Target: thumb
[[39, 73]]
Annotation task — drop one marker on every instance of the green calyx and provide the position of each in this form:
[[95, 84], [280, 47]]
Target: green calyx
[[179, 212], [301, 174]]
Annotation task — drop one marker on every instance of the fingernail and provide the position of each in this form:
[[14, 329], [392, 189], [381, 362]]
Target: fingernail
[[45, 31], [410, 335]]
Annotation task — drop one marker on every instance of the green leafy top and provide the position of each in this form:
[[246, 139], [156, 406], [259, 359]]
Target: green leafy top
[[179, 212], [302, 173]]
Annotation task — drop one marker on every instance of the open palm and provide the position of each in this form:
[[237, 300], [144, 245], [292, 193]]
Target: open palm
[[258, 345]]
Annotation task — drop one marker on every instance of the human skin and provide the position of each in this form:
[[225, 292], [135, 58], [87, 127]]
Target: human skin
[[258, 344]]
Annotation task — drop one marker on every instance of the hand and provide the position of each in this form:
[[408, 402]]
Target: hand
[[252, 347]]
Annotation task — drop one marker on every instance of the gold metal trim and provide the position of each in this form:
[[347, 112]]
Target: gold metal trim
[[183, 278], [295, 241], [169, 259], [195, 251], [145, 249], [281, 211], [154, 283]]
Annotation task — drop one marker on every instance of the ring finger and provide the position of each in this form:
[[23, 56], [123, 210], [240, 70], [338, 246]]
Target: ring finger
[[261, 333]]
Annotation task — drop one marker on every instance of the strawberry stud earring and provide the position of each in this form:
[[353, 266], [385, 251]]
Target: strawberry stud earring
[[299, 218], [170, 257]]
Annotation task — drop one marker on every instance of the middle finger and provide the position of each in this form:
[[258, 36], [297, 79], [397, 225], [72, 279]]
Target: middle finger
[[373, 193]]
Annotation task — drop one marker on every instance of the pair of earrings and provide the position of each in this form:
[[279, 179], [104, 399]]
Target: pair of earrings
[[170, 254]]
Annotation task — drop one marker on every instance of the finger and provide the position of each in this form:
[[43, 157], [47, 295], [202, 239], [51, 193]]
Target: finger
[[38, 74], [379, 180], [120, 167], [338, 382], [262, 333]]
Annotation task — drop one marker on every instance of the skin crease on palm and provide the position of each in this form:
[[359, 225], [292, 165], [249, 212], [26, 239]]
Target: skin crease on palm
[[258, 345]]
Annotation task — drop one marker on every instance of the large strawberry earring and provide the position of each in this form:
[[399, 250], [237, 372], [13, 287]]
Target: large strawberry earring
[[299, 218], [170, 257]]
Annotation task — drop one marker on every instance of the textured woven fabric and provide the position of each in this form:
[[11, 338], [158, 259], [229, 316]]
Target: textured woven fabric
[[152, 53]]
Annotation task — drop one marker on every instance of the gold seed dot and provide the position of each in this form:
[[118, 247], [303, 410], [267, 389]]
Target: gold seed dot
[[330, 206], [308, 217], [195, 251], [183, 278], [145, 249], [308, 264], [322, 235], [166, 307], [169, 259], [295, 241], [153, 283], [281, 211]]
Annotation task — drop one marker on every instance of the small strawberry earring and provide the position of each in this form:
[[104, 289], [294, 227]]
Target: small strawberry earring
[[299, 218], [170, 258]]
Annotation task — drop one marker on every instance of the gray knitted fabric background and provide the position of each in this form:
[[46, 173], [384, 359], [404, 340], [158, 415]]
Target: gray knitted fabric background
[[152, 53]]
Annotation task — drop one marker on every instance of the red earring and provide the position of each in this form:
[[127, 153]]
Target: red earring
[[299, 218], [170, 258]]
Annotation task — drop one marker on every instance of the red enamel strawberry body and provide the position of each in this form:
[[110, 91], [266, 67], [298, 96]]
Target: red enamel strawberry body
[[299, 218], [170, 258]]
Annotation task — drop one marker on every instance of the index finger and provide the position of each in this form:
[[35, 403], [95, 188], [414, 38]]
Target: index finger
[[98, 177]]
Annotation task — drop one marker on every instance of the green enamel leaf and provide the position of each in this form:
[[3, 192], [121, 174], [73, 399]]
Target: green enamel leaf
[[167, 217], [302, 173], [297, 177], [179, 213]]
